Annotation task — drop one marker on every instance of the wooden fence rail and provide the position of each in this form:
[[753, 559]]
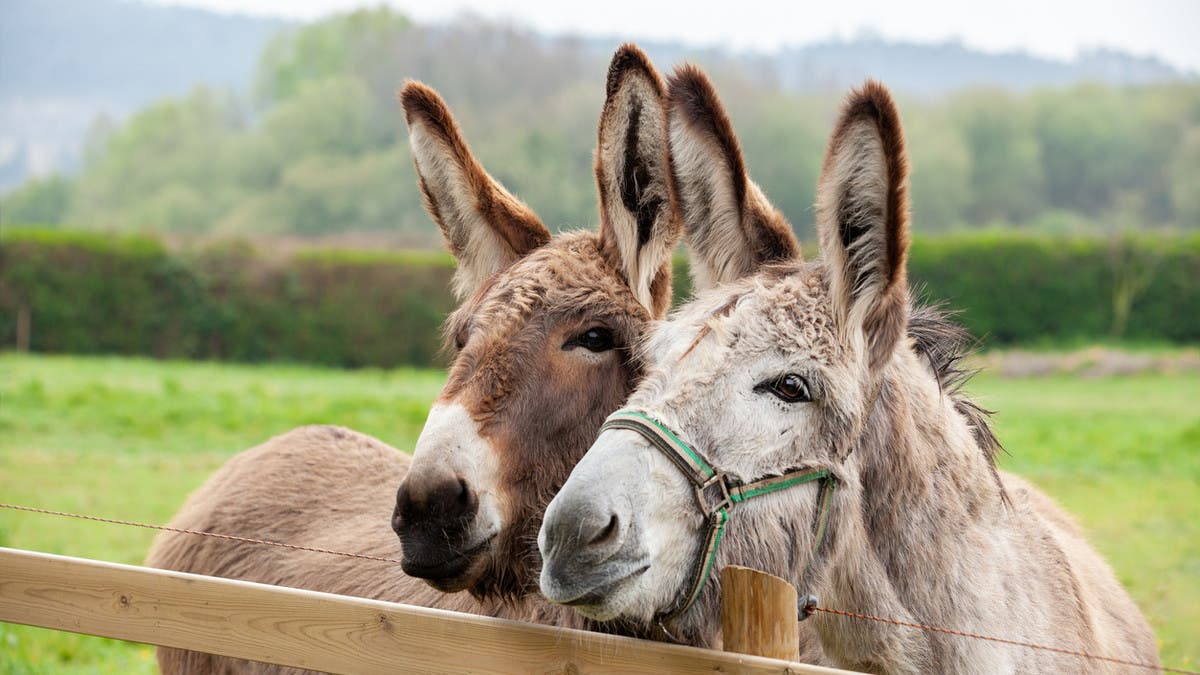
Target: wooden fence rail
[[321, 631]]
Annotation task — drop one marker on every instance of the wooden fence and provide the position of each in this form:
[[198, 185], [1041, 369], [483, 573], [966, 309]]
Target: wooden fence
[[321, 631]]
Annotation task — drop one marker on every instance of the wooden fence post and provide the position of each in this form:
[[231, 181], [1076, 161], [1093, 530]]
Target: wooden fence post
[[758, 614], [24, 327]]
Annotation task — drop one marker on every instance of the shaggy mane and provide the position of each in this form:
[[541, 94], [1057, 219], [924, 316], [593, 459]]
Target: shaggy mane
[[946, 343]]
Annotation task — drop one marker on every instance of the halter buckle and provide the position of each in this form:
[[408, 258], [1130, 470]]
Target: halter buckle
[[720, 500]]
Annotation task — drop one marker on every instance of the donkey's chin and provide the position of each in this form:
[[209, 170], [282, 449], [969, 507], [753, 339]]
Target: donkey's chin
[[625, 605], [455, 571], [608, 600]]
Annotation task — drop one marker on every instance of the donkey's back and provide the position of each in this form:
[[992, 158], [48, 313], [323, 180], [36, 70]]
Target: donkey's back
[[317, 486], [1078, 585], [320, 487]]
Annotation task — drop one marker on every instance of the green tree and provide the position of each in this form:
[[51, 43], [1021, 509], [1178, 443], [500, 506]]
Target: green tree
[[41, 201], [328, 116], [1089, 147], [783, 139], [365, 43], [332, 194], [168, 168], [940, 183], [320, 147], [1185, 180], [345, 44], [1005, 172]]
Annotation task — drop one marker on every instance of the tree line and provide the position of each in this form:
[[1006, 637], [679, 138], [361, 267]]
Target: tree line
[[318, 148]]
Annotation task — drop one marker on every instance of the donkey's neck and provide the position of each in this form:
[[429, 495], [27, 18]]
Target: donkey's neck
[[913, 533]]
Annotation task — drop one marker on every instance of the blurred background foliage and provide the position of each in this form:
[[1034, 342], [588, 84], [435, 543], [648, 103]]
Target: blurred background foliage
[[89, 293], [238, 223], [317, 147]]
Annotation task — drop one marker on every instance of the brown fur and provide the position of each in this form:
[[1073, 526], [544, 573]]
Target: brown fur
[[728, 221], [318, 486], [518, 229], [638, 204], [538, 405]]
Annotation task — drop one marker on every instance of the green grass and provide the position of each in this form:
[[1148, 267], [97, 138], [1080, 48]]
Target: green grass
[[1122, 454], [130, 438]]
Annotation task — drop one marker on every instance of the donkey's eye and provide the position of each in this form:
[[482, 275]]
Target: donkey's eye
[[594, 339], [791, 388]]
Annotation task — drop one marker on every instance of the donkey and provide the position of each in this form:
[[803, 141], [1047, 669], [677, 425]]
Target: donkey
[[511, 422], [542, 353], [821, 395]]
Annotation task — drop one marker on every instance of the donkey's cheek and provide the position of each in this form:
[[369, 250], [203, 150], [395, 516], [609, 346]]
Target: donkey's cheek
[[578, 388]]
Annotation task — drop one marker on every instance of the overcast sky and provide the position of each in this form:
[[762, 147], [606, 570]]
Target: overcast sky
[[1168, 29]]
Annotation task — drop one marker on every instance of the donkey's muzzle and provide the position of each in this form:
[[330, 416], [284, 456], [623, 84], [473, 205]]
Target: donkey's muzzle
[[585, 549], [434, 520]]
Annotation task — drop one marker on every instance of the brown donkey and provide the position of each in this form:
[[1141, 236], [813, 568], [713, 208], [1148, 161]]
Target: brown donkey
[[542, 355], [820, 396]]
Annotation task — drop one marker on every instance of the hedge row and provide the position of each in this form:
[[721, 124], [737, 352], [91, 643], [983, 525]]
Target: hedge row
[[88, 294], [1037, 290], [91, 293]]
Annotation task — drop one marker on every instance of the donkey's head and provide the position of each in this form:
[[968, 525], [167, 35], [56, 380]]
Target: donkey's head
[[541, 340], [770, 378]]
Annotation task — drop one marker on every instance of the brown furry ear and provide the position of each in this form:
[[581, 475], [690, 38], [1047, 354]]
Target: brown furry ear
[[486, 228], [862, 218], [730, 227], [639, 212]]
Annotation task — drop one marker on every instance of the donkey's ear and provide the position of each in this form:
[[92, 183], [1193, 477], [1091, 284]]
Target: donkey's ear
[[862, 219], [730, 227], [486, 228], [639, 213]]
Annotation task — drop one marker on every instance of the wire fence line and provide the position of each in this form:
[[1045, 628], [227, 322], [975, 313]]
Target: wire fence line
[[808, 608], [201, 533]]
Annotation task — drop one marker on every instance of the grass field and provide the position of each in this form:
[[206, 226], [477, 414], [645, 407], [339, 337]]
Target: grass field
[[129, 438]]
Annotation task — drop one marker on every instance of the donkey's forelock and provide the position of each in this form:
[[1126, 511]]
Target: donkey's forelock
[[569, 276], [708, 313]]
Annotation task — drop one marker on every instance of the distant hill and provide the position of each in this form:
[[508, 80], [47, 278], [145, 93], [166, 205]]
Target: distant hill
[[939, 68], [922, 69], [66, 63], [122, 53]]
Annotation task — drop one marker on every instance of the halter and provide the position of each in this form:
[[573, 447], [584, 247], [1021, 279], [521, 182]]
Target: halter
[[717, 491]]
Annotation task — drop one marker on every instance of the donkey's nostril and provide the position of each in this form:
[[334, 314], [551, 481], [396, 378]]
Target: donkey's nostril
[[431, 503], [607, 534], [396, 517]]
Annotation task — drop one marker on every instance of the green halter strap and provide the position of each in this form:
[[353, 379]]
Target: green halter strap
[[717, 492]]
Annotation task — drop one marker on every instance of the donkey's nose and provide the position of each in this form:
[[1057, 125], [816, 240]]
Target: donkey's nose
[[584, 531], [438, 502]]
